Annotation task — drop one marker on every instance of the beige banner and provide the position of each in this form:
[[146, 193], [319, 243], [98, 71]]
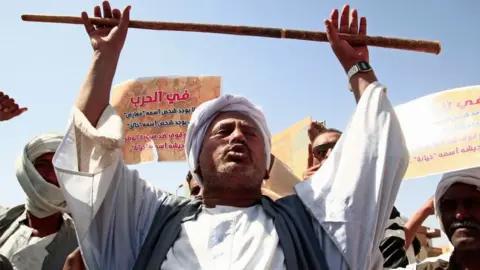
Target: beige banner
[[156, 112], [442, 131], [291, 146], [281, 182]]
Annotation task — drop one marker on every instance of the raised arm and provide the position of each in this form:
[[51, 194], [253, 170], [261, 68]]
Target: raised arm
[[111, 206], [416, 221], [348, 55], [352, 194], [107, 43]]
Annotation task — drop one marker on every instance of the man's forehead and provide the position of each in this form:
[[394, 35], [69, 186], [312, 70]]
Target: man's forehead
[[232, 117], [459, 190]]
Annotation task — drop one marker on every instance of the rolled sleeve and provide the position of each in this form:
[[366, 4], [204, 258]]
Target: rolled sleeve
[[352, 194], [111, 206]]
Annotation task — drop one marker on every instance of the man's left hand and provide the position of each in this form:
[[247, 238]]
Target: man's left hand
[[347, 54], [9, 108]]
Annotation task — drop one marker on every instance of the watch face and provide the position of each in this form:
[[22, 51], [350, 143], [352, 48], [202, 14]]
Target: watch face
[[364, 66]]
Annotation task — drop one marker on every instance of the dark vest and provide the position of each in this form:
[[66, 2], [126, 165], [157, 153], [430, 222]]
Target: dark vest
[[64, 243], [293, 224]]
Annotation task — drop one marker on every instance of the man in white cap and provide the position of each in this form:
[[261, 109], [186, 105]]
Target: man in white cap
[[124, 222], [38, 234], [457, 207]]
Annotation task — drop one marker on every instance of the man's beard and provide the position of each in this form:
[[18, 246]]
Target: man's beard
[[234, 171], [465, 240], [230, 176]]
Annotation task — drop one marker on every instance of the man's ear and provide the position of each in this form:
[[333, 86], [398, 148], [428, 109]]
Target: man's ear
[[272, 161]]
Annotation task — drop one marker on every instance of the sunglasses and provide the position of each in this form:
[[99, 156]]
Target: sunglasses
[[322, 149]]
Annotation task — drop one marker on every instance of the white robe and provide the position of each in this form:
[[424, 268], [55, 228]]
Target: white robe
[[350, 198]]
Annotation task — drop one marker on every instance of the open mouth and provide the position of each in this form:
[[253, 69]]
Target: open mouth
[[237, 152]]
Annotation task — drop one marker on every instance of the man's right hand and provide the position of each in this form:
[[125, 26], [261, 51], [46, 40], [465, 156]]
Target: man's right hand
[[8, 108], [310, 171], [106, 39], [107, 43]]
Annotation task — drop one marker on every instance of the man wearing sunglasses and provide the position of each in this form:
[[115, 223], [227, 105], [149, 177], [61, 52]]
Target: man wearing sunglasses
[[322, 142], [394, 247], [38, 234]]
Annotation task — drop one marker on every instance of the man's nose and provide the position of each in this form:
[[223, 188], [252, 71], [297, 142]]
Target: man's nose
[[237, 136], [461, 212]]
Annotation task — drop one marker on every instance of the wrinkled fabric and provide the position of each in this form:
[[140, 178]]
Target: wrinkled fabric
[[466, 176], [352, 195], [42, 198], [203, 116], [349, 199]]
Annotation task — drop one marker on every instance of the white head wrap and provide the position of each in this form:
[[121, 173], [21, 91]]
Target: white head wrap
[[466, 176], [43, 199], [203, 116]]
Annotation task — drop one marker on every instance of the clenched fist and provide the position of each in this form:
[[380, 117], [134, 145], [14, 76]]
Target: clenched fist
[[9, 108]]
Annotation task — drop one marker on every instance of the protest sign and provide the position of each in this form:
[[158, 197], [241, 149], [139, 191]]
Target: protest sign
[[291, 146], [156, 112], [281, 182], [442, 131]]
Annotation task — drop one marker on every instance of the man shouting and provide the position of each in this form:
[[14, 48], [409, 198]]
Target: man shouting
[[124, 222]]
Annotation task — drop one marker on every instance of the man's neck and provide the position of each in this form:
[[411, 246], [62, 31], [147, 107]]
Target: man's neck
[[212, 203], [240, 199], [44, 226], [466, 260]]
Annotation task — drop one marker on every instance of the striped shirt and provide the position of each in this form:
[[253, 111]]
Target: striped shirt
[[392, 245]]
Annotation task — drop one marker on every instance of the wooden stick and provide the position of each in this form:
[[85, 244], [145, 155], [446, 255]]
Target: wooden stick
[[385, 42]]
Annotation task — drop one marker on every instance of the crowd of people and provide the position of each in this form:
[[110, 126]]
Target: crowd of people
[[85, 209]]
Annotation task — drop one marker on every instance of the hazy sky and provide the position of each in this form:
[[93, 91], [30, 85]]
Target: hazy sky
[[43, 65]]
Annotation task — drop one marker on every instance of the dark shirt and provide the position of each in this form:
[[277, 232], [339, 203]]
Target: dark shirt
[[5, 263]]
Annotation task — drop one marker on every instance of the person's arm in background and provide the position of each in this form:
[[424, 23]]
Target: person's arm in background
[[352, 194], [9, 108], [414, 223], [111, 206]]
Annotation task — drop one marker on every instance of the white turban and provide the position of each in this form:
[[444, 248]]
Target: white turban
[[43, 198], [203, 116], [466, 176]]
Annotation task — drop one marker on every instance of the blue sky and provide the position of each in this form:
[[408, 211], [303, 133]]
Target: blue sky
[[43, 65]]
